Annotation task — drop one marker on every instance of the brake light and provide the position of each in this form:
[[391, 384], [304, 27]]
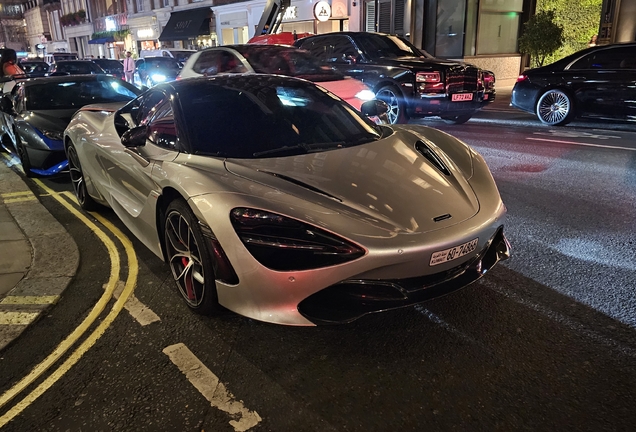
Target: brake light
[[427, 77], [522, 78]]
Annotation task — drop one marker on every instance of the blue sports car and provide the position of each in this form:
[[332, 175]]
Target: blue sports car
[[37, 111]]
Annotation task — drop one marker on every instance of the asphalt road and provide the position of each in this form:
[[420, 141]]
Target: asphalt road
[[546, 341]]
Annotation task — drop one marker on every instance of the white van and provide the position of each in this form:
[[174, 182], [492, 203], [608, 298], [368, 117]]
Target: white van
[[55, 57], [180, 55]]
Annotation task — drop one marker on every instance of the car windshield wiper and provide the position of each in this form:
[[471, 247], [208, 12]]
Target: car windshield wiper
[[309, 148]]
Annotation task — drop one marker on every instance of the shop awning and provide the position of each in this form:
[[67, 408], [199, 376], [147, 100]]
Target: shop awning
[[187, 24], [102, 40]]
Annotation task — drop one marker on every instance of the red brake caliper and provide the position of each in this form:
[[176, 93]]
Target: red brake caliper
[[188, 280]]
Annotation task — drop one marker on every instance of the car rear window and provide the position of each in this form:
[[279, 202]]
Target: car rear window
[[76, 94], [290, 62]]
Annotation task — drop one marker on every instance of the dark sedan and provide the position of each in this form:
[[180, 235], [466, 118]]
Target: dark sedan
[[35, 68], [411, 81], [77, 67], [110, 66], [37, 111], [597, 82]]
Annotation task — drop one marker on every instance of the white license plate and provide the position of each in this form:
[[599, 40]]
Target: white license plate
[[453, 253], [457, 97]]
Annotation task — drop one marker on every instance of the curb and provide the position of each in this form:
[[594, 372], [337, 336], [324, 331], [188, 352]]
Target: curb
[[53, 252]]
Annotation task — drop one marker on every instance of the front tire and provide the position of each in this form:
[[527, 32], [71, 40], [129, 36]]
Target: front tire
[[189, 258], [555, 108], [397, 106], [79, 182], [23, 155]]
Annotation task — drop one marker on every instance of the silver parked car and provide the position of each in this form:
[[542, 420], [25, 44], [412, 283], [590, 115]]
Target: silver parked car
[[274, 198]]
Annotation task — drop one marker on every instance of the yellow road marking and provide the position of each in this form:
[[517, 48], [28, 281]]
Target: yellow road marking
[[101, 304], [15, 200], [133, 270], [17, 318], [29, 300], [14, 194]]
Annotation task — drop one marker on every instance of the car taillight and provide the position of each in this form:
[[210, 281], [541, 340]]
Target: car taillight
[[489, 80], [284, 244], [427, 77], [522, 78]]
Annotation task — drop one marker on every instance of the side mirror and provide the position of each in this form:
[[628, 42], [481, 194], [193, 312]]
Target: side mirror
[[6, 105], [135, 137], [374, 108]]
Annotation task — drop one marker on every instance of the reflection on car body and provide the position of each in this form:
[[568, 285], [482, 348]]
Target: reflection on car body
[[277, 200]]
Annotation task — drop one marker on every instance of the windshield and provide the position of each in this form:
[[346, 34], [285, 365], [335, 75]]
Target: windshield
[[258, 116], [387, 46], [290, 62], [109, 64], [77, 68], [162, 63], [76, 94]]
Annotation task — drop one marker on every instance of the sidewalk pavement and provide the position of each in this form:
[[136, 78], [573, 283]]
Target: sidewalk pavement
[[38, 257]]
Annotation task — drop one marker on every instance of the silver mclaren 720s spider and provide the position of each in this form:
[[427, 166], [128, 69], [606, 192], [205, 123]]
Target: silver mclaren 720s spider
[[275, 199]]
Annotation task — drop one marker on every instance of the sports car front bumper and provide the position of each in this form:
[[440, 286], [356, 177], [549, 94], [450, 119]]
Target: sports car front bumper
[[350, 299]]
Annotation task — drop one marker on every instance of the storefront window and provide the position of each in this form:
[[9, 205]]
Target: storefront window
[[449, 40], [499, 26]]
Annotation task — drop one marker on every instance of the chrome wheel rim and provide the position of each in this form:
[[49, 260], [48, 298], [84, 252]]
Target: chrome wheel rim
[[394, 105], [77, 178], [554, 107], [184, 258]]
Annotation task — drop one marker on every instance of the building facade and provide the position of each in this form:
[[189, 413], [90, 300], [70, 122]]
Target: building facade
[[12, 28], [43, 29], [618, 22]]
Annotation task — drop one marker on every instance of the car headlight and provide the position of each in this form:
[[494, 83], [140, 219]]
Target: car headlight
[[56, 136], [284, 244], [365, 95], [158, 77]]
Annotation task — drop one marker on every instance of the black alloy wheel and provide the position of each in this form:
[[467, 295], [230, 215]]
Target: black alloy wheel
[[189, 258], [77, 179], [23, 155], [555, 108], [397, 107]]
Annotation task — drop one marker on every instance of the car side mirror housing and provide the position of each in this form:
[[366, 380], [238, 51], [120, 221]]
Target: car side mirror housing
[[135, 137], [374, 108]]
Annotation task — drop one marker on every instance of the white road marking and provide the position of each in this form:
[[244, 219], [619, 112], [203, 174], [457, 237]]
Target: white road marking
[[582, 144], [575, 134], [139, 311], [209, 386]]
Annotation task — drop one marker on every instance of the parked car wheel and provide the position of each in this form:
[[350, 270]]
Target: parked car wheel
[[189, 258], [23, 155], [459, 119], [397, 107], [555, 108], [77, 179]]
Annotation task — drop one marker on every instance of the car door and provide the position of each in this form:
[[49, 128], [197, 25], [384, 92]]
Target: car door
[[131, 187], [339, 52], [604, 83]]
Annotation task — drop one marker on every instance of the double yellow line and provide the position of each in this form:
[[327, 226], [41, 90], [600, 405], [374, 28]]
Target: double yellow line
[[94, 314]]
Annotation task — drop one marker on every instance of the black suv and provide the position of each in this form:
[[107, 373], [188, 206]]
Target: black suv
[[411, 81]]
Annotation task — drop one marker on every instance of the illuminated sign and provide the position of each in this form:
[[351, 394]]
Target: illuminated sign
[[322, 11], [146, 33]]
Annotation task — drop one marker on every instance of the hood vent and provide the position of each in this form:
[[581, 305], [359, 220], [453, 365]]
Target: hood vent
[[301, 184], [430, 155]]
